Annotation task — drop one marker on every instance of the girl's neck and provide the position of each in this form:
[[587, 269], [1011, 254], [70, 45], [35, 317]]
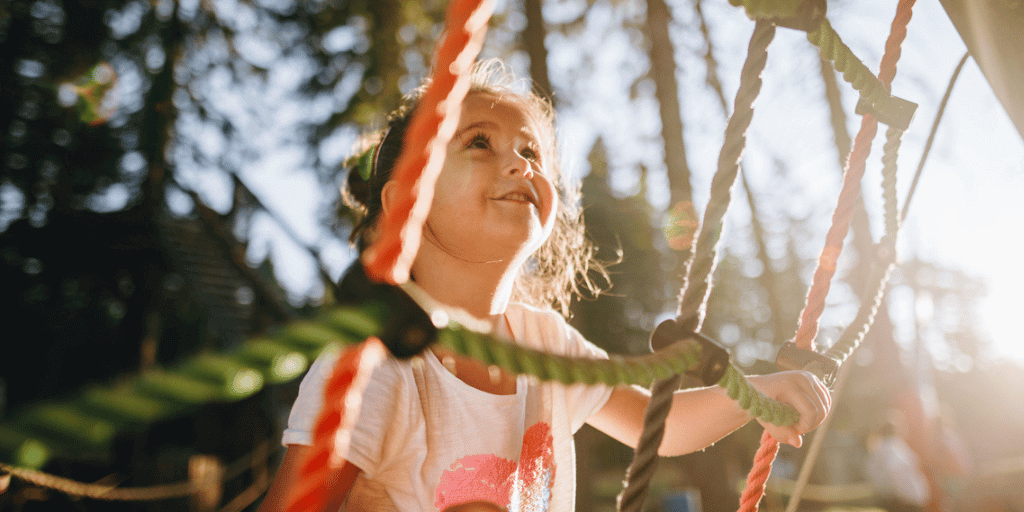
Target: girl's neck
[[481, 289]]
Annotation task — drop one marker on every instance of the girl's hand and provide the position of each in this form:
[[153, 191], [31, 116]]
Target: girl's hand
[[804, 392]]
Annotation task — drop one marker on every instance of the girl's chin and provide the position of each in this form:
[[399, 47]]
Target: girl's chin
[[500, 249]]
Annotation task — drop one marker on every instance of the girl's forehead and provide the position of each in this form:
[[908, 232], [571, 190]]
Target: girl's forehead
[[508, 111]]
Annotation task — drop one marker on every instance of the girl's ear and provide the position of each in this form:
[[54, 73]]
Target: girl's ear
[[387, 196]]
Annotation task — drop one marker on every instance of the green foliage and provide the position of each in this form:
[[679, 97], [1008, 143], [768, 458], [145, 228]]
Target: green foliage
[[621, 319]]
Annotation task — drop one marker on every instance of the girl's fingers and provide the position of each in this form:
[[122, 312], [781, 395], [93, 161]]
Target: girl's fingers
[[805, 393], [811, 400]]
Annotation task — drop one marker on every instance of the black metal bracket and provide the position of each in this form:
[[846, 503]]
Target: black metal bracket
[[896, 112], [791, 357], [713, 360], [408, 329]]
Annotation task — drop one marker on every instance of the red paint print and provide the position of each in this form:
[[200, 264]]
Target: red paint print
[[525, 486]]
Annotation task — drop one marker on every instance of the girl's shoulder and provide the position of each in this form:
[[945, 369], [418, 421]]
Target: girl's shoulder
[[534, 313], [390, 373], [543, 329]]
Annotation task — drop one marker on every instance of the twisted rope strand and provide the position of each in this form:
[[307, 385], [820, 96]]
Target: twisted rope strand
[[430, 130], [100, 492], [827, 261], [700, 268], [931, 135], [758, 477], [808, 325], [641, 469]]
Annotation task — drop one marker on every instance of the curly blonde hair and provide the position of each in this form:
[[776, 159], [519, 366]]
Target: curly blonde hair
[[564, 267]]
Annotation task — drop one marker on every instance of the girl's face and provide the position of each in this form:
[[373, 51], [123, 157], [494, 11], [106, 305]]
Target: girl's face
[[494, 199]]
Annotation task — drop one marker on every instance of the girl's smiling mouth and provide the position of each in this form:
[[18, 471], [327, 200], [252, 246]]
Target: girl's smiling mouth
[[518, 196]]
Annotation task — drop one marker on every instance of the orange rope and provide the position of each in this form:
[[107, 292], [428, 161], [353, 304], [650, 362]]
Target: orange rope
[[390, 257], [807, 329], [430, 129], [343, 393], [758, 477]]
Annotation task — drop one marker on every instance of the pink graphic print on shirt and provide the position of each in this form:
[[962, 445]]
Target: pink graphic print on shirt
[[489, 478]]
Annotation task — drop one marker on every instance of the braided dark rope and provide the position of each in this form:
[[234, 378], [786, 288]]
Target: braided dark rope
[[693, 302], [645, 458], [697, 286]]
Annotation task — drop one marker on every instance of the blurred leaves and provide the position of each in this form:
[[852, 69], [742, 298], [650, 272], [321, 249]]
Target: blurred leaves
[[113, 108]]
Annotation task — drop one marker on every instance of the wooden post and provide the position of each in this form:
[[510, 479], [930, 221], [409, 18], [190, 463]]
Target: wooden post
[[206, 473]]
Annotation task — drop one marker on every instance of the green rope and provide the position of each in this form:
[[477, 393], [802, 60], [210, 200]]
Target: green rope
[[615, 371], [155, 395], [766, 9], [854, 71], [756, 403]]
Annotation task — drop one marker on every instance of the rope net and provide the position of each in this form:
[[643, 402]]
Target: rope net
[[846, 203], [417, 168]]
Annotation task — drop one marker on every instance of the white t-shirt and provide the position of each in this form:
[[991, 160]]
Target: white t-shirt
[[895, 471], [427, 441]]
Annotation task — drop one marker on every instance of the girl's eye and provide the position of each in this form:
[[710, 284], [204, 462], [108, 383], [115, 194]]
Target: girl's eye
[[479, 141], [530, 154]]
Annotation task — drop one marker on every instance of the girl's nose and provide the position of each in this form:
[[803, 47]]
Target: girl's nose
[[518, 164]]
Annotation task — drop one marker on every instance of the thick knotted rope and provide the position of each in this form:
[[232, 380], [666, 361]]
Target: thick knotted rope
[[697, 286], [846, 203], [390, 258], [431, 128]]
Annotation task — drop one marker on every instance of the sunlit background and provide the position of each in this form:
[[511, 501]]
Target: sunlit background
[[212, 99], [964, 214]]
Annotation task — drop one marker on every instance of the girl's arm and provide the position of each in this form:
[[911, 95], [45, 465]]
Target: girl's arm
[[288, 474], [701, 416]]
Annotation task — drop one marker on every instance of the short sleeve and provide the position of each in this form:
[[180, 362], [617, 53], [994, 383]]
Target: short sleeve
[[383, 423], [582, 400], [309, 401]]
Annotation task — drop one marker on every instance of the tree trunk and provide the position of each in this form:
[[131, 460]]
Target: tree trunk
[[533, 39], [663, 71]]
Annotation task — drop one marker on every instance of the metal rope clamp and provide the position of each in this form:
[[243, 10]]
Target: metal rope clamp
[[408, 329], [792, 357], [807, 17], [892, 111], [712, 359]]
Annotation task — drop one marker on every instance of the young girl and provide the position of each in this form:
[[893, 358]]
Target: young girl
[[503, 243]]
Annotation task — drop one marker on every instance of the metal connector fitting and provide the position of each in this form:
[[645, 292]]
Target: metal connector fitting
[[712, 360], [791, 357], [894, 112], [807, 18], [408, 329]]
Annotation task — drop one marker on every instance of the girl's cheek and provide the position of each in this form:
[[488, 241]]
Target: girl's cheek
[[551, 201]]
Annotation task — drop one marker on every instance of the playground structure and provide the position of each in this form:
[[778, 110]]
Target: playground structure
[[95, 419]]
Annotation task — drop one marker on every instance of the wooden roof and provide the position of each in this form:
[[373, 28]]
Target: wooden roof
[[994, 33]]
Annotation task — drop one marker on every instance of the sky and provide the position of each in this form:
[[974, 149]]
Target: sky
[[963, 214]]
